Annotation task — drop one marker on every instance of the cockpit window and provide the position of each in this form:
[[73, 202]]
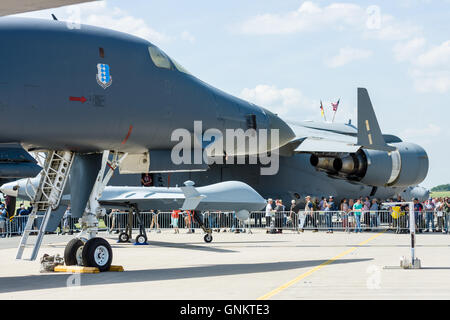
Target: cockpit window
[[179, 67], [160, 59]]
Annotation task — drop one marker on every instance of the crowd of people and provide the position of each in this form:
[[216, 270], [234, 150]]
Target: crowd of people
[[357, 215], [6, 216], [352, 214]]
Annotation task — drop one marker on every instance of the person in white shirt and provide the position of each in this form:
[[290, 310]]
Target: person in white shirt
[[429, 215], [439, 211], [269, 213]]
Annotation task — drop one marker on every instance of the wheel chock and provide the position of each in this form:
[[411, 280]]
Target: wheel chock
[[140, 244], [80, 269]]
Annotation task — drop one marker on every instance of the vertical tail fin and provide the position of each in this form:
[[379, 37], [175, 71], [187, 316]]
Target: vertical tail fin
[[369, 133]]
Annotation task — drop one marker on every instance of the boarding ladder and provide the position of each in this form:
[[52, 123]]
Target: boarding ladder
[[47, 195]]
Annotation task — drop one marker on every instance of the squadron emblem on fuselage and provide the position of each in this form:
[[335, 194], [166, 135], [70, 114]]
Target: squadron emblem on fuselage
[[104, 78]]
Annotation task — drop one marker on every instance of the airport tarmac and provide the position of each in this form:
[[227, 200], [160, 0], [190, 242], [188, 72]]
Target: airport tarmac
[[243, 266]]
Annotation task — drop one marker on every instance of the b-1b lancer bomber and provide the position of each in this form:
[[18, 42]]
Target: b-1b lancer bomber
[[87, 95]]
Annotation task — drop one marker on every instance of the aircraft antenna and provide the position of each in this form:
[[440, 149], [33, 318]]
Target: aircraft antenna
[[54, 17]]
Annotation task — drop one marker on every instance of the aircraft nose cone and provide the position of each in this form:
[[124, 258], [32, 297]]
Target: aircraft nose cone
[[284, 131], [10, 189]]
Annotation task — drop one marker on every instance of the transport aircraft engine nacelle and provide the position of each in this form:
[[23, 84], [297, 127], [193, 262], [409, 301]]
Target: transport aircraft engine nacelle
[[406, 166]]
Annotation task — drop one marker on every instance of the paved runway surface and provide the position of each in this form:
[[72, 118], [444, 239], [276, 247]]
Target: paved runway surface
[[243, 266]]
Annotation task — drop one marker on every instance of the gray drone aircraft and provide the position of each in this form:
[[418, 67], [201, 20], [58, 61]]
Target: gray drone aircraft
[[231, 196], [96, 100]]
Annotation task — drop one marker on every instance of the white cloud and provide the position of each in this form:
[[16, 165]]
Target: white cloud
[[187, 36], [431, 69], [347, 55], [390, 29], [437, 56], [431, 80], [292, 104], [408, 50], [370, 21], [286, 102], [430, 130], [99, 14], [121, 21], [307, 17]]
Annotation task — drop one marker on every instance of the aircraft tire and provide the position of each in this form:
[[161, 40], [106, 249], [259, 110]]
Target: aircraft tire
[[123, 237], [141, 239], [73, 252], [97, 253], [208, 238]]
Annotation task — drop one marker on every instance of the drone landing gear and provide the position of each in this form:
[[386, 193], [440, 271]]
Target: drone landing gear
[[208, 236], [141, 238]]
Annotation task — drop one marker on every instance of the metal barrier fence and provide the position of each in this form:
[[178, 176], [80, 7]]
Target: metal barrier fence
[[220, 221], [13, 226], [349, 221], [163, 220]]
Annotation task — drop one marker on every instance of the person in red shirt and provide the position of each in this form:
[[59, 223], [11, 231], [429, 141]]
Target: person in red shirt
[[146, 180], [175, 216]]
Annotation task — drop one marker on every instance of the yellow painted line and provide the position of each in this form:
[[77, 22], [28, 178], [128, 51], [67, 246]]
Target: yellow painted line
[[308, 273]]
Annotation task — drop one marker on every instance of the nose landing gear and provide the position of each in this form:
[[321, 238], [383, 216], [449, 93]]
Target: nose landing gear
[[208, 236]]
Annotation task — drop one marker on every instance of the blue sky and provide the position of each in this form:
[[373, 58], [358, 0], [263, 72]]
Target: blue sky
[[288, 56]]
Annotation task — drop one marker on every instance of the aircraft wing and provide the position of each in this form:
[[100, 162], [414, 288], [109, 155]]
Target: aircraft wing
[[341, 138], [8, 7], [318, 144]]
